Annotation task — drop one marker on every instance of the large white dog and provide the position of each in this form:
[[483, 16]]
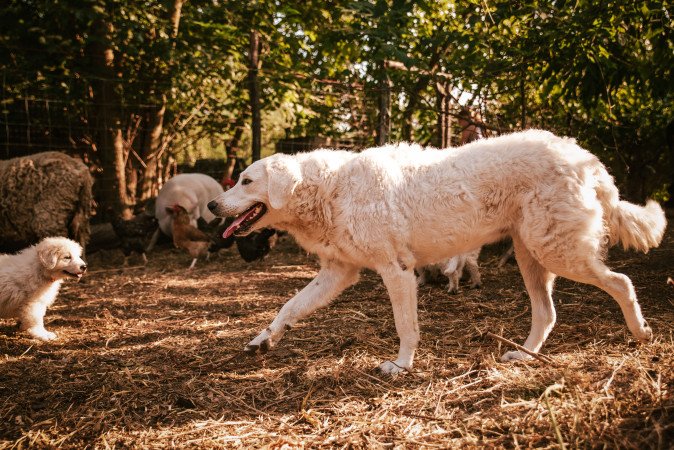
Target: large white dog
[[30, 281], [398, 207]]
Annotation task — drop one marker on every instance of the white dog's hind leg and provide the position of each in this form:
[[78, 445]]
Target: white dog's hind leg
[[402, 289], [539, 282], [328, 284], [620, 287], [32, 321]]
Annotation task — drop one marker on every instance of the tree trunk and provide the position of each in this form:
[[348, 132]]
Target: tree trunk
[[149, 186], [150, 151], [109, 118], [422, 82], [407, 133], [384, 121], [253, 86]]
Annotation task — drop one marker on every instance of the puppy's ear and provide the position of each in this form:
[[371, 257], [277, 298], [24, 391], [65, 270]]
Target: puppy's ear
[[48, 256], [283, 176]]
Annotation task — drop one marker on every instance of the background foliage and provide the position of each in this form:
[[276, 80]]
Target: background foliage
[[598, 71]]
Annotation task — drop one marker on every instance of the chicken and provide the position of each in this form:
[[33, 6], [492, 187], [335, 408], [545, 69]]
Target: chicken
[[254, 246], [134, 233], [215, 229], [188, 237], [257, 244]]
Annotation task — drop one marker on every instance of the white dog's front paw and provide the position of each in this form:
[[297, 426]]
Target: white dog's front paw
[[42, 334], [645, 334], [261, 344], [390, 368], [516, 356]]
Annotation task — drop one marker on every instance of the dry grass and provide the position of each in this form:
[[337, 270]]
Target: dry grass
[[150, 357]]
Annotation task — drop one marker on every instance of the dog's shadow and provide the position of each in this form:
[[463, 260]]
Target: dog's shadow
[[9, 328]]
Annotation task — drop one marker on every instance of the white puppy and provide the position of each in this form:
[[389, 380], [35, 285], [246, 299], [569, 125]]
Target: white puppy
[[398, 207], [453, 269], [30, 281]]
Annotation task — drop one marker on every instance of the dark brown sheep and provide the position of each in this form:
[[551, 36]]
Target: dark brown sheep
[[46, 194]]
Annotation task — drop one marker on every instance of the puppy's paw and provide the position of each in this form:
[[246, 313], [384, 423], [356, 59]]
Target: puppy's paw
[[390, 368], [261, 344], [42, 334], [516, 356]]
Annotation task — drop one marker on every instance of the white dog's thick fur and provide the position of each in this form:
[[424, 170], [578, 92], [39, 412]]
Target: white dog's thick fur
[[30, 281], [398, 207]]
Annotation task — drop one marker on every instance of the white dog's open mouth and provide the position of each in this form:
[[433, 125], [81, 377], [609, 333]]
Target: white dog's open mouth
[[245, 220]]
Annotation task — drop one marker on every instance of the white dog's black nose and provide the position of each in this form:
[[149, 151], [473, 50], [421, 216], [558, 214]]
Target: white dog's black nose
[[83, 267], [212, 205]]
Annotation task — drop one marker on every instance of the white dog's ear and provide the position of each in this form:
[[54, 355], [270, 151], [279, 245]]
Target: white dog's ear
[[283, 176], [48, 256]]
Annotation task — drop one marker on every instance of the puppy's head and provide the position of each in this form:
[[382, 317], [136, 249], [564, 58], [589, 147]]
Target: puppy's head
[[263, 189], [61, 258]]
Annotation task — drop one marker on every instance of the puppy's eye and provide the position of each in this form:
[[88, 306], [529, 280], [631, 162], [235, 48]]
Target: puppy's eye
[[67, 258], [246, 181]]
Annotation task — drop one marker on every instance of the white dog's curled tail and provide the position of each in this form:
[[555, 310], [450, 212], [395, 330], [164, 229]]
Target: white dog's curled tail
[[637, 227]]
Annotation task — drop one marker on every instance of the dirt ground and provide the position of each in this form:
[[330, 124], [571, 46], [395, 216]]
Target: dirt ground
[[151, 358]]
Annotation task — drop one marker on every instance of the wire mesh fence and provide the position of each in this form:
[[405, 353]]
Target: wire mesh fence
[[61, 114]]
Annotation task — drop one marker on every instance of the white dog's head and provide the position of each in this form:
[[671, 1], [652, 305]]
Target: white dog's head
[[262, 191], [61, 258]]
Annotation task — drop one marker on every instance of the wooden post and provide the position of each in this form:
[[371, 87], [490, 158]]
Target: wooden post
[[443, 138], [254, 89], [384, 121], [523, 118]]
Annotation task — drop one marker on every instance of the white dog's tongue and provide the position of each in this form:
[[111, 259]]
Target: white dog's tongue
[[237, 222]]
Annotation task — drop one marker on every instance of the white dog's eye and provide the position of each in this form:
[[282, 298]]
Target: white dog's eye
[[246, 181], [67, 258]]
